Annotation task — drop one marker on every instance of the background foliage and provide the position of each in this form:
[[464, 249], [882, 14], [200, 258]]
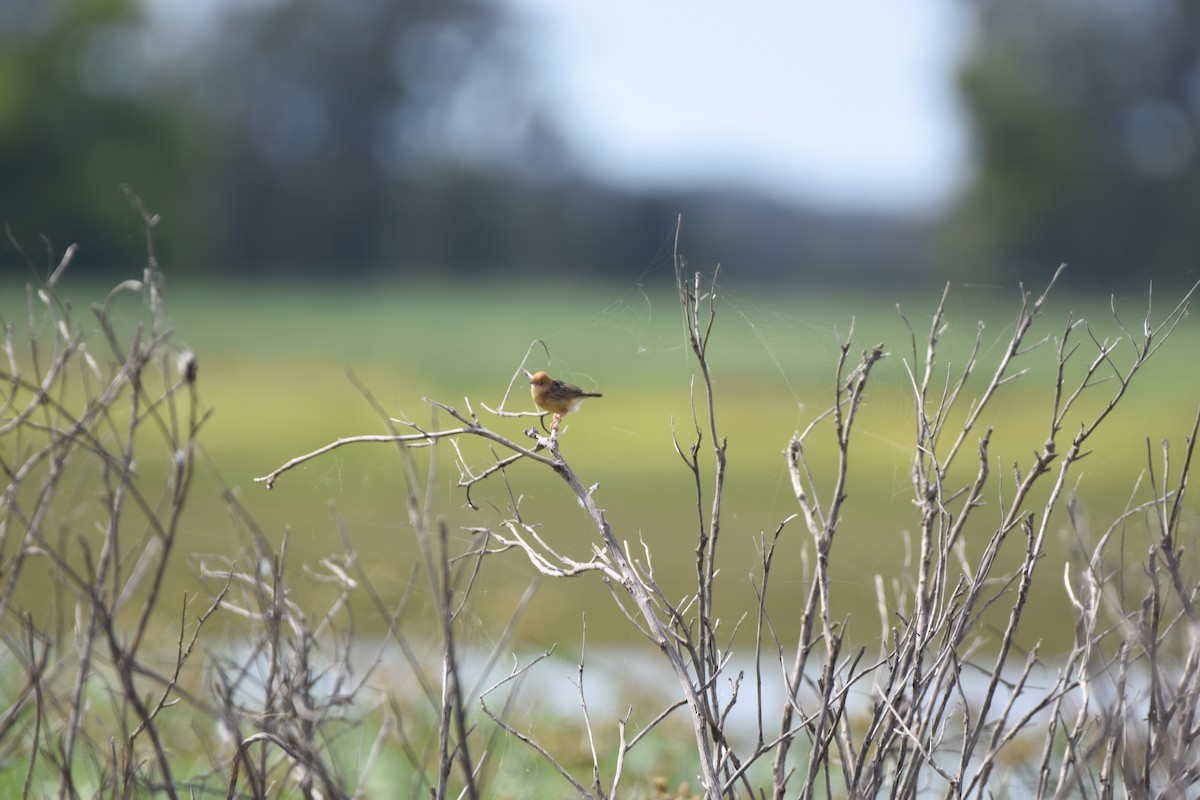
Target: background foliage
[[318, 137], [1086, 119]]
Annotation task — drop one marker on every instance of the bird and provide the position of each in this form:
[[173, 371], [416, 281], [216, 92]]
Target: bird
[[556, 397]]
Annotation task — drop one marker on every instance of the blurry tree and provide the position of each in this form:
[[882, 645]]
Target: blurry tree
[[80, 114], [357, 132], [280, 133], [286, 136], [1086, 119]]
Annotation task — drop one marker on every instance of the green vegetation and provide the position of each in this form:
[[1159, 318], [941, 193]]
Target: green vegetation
[[273, 364], [166, 635]]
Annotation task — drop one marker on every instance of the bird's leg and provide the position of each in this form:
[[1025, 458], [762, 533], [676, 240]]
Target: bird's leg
[[554, 423]]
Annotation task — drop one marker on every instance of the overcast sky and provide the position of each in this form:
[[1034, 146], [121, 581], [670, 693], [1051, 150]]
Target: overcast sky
[[847, 104]]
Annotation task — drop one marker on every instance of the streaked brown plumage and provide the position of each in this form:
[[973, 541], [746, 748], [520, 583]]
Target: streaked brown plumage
[[555, 396]]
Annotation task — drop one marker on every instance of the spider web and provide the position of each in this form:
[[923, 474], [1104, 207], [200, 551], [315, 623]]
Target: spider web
[[767, 342]]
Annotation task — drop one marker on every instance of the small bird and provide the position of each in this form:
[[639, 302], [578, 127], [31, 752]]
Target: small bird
[[556, 397]]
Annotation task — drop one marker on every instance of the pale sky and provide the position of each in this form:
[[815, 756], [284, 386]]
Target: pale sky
[[847, 104]]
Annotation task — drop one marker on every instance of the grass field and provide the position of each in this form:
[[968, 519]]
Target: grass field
[[273, 364]]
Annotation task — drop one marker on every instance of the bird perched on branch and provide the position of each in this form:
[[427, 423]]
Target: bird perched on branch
[[556, 397]]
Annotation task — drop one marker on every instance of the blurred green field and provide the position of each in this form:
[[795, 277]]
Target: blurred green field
[[273, 364]]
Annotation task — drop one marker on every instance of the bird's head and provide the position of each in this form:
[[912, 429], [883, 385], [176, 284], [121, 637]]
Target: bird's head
[[540, 379]]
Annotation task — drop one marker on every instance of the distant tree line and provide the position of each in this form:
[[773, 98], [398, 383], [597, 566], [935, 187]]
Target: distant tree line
[[314, 136], [1086, 120]]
